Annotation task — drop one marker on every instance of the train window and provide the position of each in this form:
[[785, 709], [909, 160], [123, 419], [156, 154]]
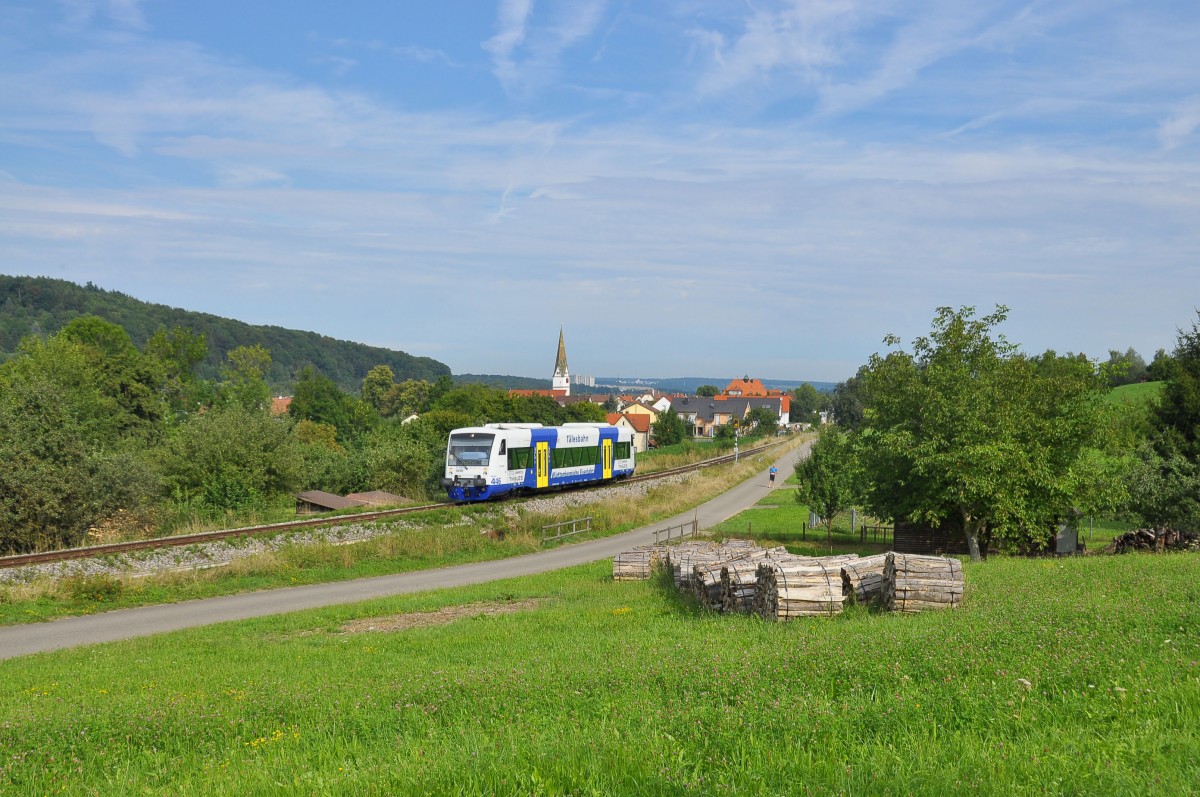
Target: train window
[[621, 451], [503, 446], [470, 448], [518, 458]]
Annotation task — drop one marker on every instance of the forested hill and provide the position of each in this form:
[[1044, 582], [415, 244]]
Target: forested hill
[[44, 305]]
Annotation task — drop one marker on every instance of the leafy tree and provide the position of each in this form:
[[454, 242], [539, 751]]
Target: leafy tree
[[317, 398], [322, 435], [244, 378], [1165, 486], [668, 429], [179, 352], [1178, 414], [65, 464], [586, 412], [1161, 367], [412, 396], [1125, 369], [846, 404], [376, 385], [611, 404], [828, 477], [122, 372], [807, 404], [707, 391], [967, 431], [760, 421], [231, 458]]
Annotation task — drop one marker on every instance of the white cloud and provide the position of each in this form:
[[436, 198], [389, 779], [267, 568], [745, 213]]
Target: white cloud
[[525, 57], [510, 33], [122, 13], [1182, 124]]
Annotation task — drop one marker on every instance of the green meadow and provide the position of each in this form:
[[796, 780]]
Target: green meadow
[[1071, 676]]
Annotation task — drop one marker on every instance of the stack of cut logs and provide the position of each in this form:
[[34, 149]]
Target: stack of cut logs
[[739, 576], [862, 579], [638, 563], [916, 583], [1156, 540]]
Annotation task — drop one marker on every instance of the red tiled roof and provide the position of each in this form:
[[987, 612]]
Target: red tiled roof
[[279, 405], [547, 393], [640, 423]]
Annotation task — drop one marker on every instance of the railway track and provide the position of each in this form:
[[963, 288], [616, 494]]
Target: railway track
[[271, 528]]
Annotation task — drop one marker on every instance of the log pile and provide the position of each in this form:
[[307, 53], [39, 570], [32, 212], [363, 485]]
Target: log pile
[[739, 576], [638, 563], [862, 579], [739, 585], [1156, 540], [916, 583], [786, 590]]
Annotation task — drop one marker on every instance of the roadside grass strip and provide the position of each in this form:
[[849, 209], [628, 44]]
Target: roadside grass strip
[[1072, 676]]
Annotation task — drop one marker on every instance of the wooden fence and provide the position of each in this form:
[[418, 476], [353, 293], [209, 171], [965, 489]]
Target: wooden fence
[[688, 529], [578, 526]]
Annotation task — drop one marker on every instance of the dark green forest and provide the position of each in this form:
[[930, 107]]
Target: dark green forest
[[41, 305]]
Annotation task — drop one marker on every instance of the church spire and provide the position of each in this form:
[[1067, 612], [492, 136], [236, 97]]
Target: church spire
[[562, 378]]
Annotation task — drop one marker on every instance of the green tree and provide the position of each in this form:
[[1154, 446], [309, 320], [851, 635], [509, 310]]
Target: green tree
[[378, 382], [586, 412], [133, 379], [317, 398], [807, 403], [231, 459], [179, 353], [66, 465], [668, 429], [410, 397], [1125, 368], [828, 476], [1160, 368], [846, 404], [967, 431], [1178, 414], [1165, 485], [244, 378], [707, 391], [760, 421]]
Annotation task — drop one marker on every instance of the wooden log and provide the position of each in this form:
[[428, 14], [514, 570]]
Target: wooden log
[[914, 583]]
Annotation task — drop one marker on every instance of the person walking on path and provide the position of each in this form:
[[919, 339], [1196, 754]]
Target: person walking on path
[[771, 483]]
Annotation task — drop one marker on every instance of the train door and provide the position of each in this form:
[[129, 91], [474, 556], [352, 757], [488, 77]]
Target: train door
[[542, 455], [606, 456]]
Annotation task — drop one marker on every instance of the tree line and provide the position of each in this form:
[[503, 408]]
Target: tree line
[[43, 306], [101, 436], [965, 431]]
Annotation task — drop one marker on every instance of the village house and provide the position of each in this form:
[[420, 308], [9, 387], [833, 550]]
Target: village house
[[638, 424]]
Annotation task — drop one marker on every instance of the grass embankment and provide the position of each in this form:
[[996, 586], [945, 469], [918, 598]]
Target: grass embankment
[[1072, 676], [1138, 393], [428, 540]]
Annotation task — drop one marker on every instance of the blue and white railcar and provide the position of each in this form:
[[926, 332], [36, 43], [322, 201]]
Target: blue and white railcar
[[488, 461]]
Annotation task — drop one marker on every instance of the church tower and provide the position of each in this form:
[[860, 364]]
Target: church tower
[[562, 379]]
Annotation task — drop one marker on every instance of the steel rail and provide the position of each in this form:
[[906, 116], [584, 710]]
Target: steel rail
[[65, 554]]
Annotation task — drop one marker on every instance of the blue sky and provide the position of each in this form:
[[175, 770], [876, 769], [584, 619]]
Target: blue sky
[[697, 187]]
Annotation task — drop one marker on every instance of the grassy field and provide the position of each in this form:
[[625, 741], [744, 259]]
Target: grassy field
[[1138, 393], [1074, 676]]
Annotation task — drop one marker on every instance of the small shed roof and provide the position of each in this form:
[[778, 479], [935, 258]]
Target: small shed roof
[[327, 500], [377, 498]]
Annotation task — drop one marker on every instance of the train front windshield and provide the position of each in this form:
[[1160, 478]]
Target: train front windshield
[[470, 449]]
